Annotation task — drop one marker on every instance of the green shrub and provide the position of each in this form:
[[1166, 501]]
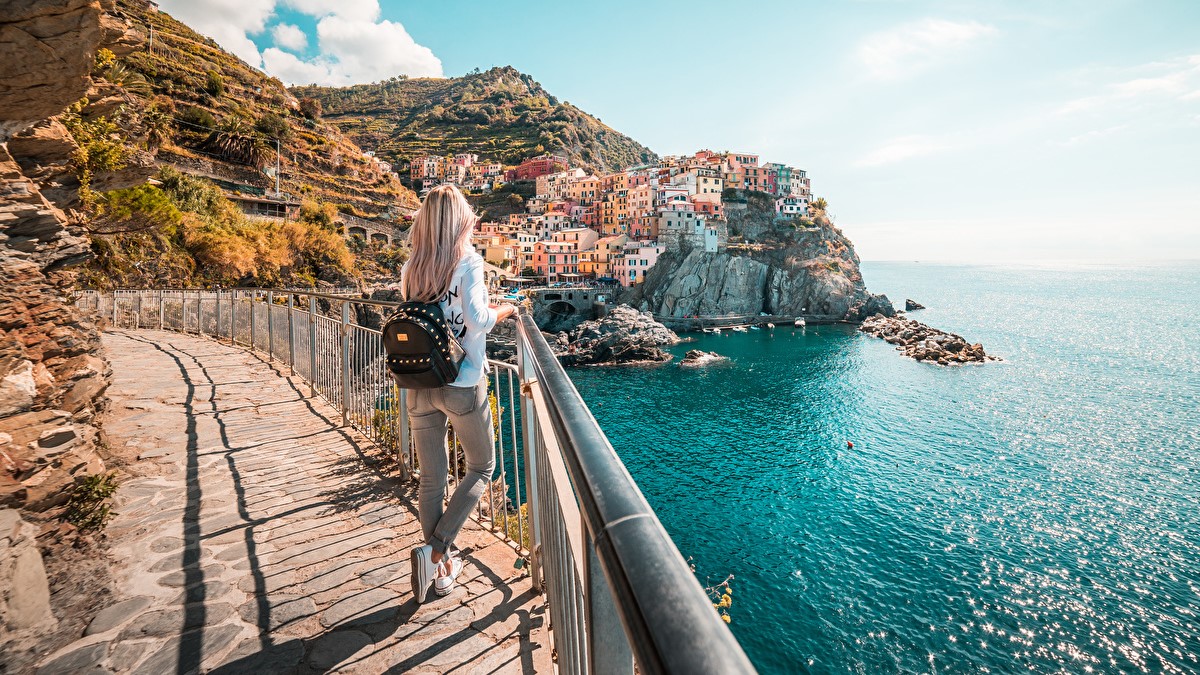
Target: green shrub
[[193, 117], [88, 507], [274, 126], [214, 84]]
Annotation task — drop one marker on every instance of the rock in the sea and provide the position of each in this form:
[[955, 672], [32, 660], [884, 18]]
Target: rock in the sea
[[624, 336], [697, 357], [911, 305], [925, 343]]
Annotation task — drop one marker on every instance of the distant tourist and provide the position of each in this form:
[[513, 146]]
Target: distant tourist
[[444, 268]]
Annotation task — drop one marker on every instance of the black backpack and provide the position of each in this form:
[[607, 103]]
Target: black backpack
[[421, 351]]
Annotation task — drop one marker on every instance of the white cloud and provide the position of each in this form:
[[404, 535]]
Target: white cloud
[[902, 148], [290, 37], [1175, 79], [353, 44], [1092, 135], [229, 22], [918, 45]]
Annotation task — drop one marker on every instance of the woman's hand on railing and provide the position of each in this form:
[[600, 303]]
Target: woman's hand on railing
[[505, 311]]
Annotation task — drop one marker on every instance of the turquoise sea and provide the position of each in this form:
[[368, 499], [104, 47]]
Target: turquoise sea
[[1036, 515]]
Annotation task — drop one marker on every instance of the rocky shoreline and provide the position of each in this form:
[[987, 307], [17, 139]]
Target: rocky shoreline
[[925, 343], [624, 336]]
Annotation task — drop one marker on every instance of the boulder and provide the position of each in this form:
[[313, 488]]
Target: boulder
[[912, 305], [24, 589], [624, 336], [697, 357]]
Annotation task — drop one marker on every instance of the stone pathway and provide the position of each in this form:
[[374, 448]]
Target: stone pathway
[[259, 537]]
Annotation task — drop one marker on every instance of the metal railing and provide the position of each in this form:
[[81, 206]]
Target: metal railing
[[619, 593]]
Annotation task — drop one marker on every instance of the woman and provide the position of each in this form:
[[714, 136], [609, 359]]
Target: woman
[[444, 268]]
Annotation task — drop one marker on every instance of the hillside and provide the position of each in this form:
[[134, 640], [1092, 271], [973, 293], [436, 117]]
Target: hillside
[[216, 115], [501, 114]]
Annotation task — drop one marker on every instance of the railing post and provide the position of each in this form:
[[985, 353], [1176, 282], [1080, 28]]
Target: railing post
[[217, 316], [162, 311], [253, 300], [608, 649], [345, 397], [312, 346], [405, 446], [529, 443], [199, 313], [292, 332], [270, 326], [233, 298], [114, 316]]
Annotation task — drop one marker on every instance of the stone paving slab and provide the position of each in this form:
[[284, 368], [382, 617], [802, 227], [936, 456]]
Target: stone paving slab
[[257, 536]]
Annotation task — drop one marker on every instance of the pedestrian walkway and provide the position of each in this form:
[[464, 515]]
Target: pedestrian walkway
[[260, 536]]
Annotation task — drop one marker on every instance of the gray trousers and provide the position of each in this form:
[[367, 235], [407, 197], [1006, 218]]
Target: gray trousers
[[468, 410]]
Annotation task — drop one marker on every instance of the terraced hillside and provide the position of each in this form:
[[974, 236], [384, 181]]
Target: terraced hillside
[[501, 114], [205, 97]]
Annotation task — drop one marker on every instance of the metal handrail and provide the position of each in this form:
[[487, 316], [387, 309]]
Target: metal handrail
[[667, 617]]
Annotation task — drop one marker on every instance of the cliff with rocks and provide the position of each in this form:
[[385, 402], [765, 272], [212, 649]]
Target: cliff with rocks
[[52, 372], [624, 336], [797, 267]]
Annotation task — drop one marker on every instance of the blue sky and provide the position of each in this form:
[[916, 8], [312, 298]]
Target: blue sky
[[938, 130]]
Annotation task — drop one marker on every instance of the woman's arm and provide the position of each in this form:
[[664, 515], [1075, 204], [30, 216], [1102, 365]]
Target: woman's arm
[[477, 315]]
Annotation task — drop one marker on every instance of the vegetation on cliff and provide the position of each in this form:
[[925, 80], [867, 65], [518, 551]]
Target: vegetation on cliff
[[500, 114], [185, 232]]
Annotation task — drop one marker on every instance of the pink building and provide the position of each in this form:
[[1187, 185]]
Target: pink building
[[630, 266]]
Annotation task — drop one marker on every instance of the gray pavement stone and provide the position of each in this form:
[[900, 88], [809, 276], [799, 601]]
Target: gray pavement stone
[[178, 578], [338, 646], [114, 615], [282, 609], [165, 622], [251, 658], [77, 660], [362, 607], [198, 647]]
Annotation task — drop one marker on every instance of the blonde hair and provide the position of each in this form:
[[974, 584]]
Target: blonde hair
[[438, 237]]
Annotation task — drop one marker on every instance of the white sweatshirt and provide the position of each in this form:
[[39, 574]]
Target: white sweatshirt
[[465, 307]]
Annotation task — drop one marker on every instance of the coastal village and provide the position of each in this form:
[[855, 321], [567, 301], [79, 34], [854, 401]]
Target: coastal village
[[611, 228]]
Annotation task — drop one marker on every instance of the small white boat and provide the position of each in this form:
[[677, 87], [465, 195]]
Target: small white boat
[[800, 323], [770, 325], [739, 329], [754, 328]]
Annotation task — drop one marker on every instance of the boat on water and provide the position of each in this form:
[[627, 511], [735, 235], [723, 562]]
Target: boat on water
[[799, 323], [738, 329], [770, 325], [754, 328]]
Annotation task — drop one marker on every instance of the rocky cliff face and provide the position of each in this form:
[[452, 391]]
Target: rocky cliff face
[[52, 375], [787, 268]]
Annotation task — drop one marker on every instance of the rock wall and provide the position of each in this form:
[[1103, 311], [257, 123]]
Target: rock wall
[[810, 272], [52, 374]]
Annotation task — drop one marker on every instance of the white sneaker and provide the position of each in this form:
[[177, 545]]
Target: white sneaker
[[423, 571], [448, 571]]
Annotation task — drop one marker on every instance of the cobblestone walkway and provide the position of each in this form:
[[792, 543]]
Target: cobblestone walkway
[[259, 537]]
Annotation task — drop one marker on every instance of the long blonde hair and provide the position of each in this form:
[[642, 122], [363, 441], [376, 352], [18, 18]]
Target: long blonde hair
[[439, 235]]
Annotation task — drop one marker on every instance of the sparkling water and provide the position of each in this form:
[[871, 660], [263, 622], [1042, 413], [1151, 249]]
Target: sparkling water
[[1036, 515]]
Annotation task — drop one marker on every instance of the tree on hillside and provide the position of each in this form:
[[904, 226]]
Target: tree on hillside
[[310, 108]]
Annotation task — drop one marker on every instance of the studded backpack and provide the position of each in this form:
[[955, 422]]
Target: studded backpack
[[421, 351]]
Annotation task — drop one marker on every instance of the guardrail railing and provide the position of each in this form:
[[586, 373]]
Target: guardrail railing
[[619, 593]]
